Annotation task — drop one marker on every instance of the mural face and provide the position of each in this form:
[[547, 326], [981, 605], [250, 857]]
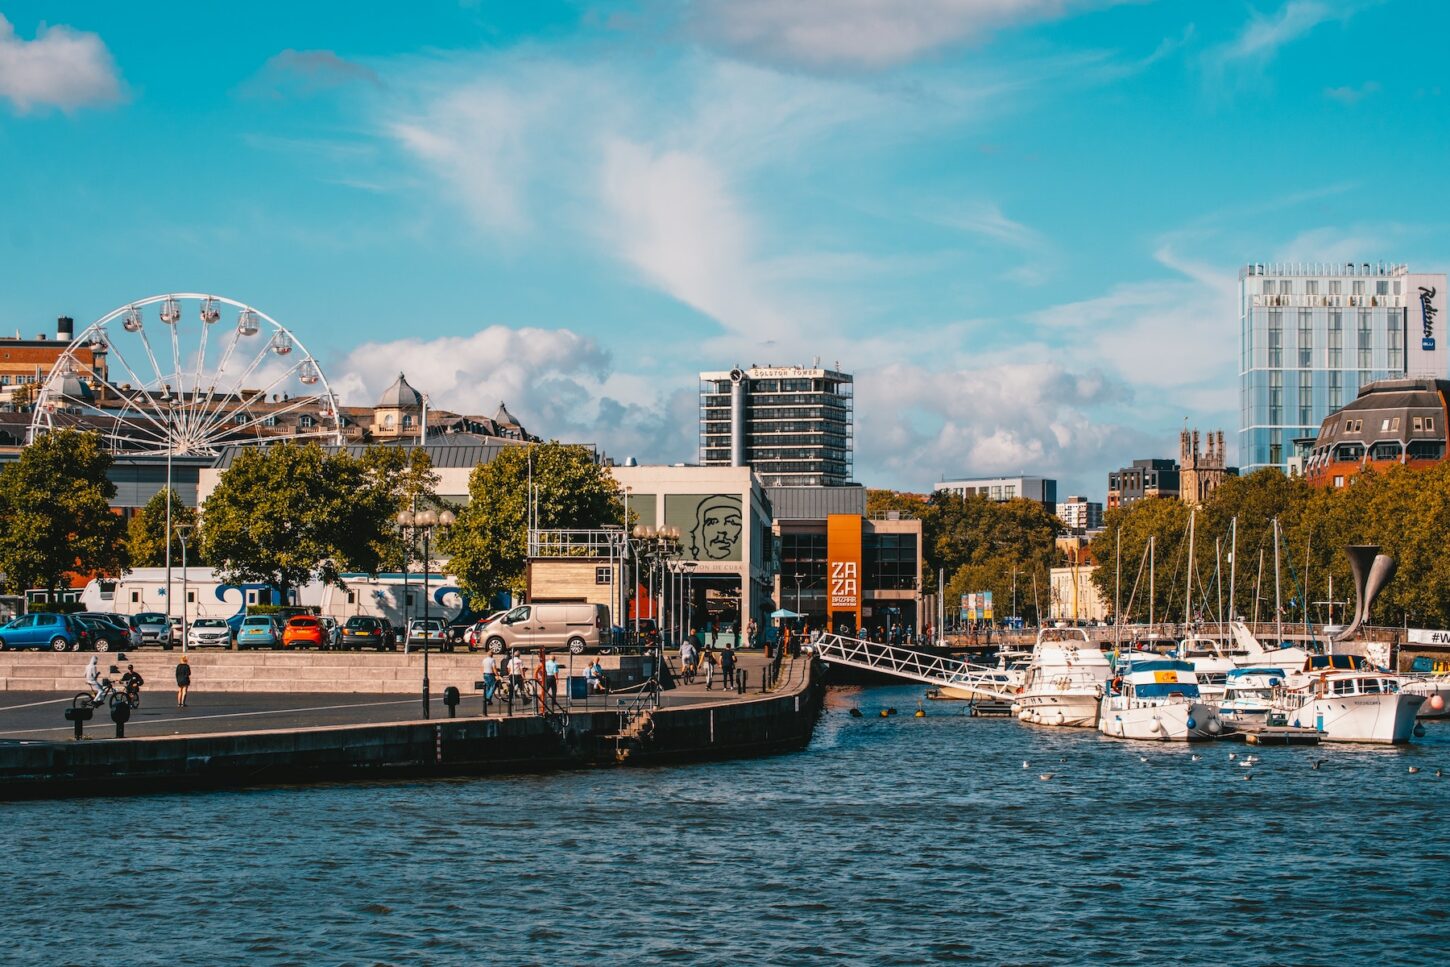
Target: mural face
[[711, 525]]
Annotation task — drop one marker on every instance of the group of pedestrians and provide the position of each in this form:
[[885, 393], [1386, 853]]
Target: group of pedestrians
[[695, 661], [513, 668], [132, 681]]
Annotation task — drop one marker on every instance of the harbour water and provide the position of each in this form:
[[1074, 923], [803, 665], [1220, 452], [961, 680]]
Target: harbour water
[[889, 840]]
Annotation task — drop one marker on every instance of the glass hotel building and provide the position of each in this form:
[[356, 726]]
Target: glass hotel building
[[1310, 335]]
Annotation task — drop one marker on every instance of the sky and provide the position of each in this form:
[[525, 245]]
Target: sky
[[1019, 223]]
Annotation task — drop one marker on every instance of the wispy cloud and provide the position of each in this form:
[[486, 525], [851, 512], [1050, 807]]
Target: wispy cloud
[[1349, 95], [62, 68], [863, 34], [986, 219], [301, 73], [1262, 36]]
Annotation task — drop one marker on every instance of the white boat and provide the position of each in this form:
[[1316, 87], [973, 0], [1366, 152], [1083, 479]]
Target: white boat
[[1157, 700], [1249, 695], [1436, 691], [1359, 704], [989, 684], [1212, 661], [1065, 680]]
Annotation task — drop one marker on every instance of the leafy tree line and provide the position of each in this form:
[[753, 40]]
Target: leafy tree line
[[1406, 512]]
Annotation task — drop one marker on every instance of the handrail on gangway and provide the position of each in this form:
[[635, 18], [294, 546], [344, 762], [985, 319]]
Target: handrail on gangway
[[908, 663]]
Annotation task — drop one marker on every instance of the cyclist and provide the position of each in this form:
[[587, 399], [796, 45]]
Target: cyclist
[[93, 678], [132, 681]]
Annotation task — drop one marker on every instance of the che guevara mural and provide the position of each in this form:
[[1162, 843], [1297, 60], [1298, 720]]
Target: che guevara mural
[[711, 525]]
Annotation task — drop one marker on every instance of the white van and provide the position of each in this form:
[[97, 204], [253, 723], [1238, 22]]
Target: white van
[[577, 627]]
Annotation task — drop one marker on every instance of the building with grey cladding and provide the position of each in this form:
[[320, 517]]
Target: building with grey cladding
[[792, 425]]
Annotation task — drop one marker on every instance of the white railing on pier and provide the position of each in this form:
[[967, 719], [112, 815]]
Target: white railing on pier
[[919, 666]]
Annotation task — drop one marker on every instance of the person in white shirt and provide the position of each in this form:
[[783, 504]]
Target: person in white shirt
[[490, 677]]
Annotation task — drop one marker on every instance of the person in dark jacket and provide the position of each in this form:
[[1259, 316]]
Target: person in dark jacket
[[183, 681]]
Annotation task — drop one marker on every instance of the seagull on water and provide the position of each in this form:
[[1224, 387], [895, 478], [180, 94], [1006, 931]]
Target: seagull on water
[[1195, 757], [1026, 764], [1232, 756], [1319, 762], [1046, 776], [1414, 769], [1142, 758]]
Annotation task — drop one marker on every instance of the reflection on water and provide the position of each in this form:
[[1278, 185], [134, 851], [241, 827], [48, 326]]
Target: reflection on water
[[896, 840]]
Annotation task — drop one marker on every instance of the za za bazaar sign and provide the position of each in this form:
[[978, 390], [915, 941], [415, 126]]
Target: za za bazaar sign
[[845, 584]]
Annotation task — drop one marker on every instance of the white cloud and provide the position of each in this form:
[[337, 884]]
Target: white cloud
[[557, 382], [1350, 95], [62, 67], [986, 219], [864, 34], [1262, 36]]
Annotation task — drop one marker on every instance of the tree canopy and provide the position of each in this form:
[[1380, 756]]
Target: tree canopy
[[489, 543], [55, 501], [146, 532], [1405, 511], [289, 513]]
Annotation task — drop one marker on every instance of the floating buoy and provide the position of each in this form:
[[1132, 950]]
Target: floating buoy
[[884, 713], [920, 713], [855, 713], [1419, 731]]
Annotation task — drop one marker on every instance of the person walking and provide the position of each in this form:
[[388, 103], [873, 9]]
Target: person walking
[[727, 668], [516, 677], [709, 661], [490, 676], [750, 633], [551, 678], [183, 681]]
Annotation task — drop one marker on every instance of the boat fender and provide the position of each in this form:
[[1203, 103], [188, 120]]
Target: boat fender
[[1153, 726], [1437, 702], [1214, 726], [1192, 722], [1419, 731]]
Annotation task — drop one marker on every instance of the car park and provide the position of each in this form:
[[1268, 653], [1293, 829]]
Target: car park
[[259, 631], [304, 631], [332, 631], [430, 630], [209, 633], [126, 623], [155, 628], [104, 635], [54, 632], [365, 631]]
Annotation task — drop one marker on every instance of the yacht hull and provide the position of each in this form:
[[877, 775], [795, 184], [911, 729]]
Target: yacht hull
[[1385, 719], [1068, 709], [1171, 722]]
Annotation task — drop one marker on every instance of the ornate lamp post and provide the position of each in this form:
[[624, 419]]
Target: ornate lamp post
[[424, 521]]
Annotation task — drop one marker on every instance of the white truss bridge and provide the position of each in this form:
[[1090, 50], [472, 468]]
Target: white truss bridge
[[979, 681]]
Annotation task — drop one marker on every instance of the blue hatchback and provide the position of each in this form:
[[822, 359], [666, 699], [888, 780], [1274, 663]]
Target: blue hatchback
[[56, 632], [259, 631]]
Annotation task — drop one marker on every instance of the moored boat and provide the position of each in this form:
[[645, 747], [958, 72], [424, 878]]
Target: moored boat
[[1157, 700], [1353, 705], [1064, 680], [1249, 695]]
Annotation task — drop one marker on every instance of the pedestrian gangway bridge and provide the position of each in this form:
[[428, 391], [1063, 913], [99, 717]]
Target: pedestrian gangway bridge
[[972, 681]]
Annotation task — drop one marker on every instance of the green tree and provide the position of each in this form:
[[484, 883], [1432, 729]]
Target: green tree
[[489, 543], [146, 532], [1164, 519], [983, 544], [400, 479], [287, 513], [880, 502], [55, 501]]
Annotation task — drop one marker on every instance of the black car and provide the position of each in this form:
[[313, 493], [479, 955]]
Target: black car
[[124, 632], [363, 631], [105, 635]]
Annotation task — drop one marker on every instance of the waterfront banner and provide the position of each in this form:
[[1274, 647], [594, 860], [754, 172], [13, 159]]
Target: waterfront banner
[[843, 569], [1426, 636], [711, 525]]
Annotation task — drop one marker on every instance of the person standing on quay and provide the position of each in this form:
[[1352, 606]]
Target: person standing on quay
[[709, 668], [183, 681], [750, 633], [551, 678], [516, 675], [490, 676], [727, 667]]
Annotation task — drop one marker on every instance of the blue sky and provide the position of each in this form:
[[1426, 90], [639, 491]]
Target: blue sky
[[1018, 222]]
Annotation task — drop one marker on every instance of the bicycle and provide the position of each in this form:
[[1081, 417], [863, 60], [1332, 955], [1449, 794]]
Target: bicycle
[[109, 695], [504, 692]]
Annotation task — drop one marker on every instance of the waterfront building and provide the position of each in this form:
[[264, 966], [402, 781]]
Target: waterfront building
[[1201, 471], [791, 424], [1080, 514], [724, 554], [1145, 478], [842, 568], [1041, 489], [1391, 421], [1312, 335], [26, 363]]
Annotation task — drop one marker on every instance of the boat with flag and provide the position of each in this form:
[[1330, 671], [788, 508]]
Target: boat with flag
[[1157, 700]]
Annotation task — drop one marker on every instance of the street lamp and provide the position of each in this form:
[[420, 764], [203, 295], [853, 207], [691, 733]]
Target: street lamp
[[798, 593], [181, 530], [425, 521], [171, 404]]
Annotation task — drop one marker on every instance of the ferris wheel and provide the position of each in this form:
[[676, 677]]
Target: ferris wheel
[[187, 374]]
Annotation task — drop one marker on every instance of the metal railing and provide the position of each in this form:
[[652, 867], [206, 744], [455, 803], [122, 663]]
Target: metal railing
[[908, 663], [552, 542]]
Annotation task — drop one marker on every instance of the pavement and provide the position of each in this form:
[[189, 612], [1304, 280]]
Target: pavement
[[38, 716]]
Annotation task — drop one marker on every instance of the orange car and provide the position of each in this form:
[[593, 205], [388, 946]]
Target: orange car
[[303, 630]]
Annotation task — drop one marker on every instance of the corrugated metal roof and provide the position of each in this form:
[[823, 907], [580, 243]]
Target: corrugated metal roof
[[815, 503], [462, 450]]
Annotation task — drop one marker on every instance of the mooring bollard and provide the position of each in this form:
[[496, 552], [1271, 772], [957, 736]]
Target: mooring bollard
[[120, 714], [451, 699], [740, 681], [78, 716]]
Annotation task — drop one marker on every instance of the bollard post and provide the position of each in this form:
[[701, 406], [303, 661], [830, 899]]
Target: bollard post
[[451, 698], [120, 714], [739, 681]]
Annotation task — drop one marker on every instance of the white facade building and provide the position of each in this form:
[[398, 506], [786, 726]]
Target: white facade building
[[1080, 514], [1310, 335], [1041, 489]]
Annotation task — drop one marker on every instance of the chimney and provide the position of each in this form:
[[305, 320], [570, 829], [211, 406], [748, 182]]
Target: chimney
[[65, 328]]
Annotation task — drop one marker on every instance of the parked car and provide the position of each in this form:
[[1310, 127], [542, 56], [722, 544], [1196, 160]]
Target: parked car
[[474, 637], [125, 622], [426, 629], [577, 627], [209, 633], [364, 631], [155, 628], [57, 632], [304, 631], [104, 635], [259, 631], [332, 630]]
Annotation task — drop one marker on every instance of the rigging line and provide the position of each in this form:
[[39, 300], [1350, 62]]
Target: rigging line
[[1142, 566]]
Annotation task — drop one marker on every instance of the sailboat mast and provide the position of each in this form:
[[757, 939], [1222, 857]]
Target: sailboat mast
[[1259, 585], [1218, 577], [1278, 592], [1152, 594], [1188, 585], [1233, 561], [1118, 593]]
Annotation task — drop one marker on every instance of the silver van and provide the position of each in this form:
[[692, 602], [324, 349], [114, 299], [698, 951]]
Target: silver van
[[577, 627]]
